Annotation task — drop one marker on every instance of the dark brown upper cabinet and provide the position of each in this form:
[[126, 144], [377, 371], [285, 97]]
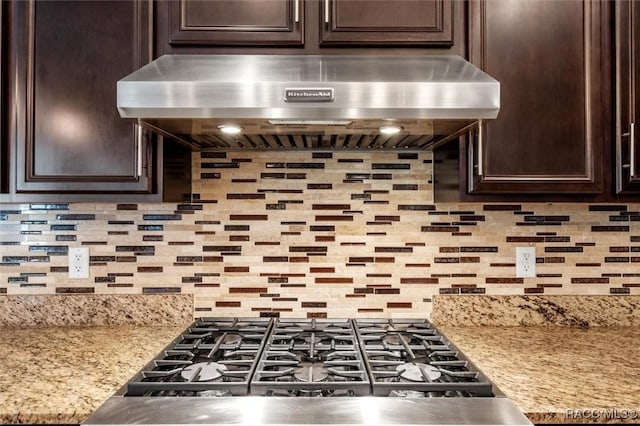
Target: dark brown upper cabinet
[[551, 59], [66, 57], [4, 139], [307, 26], [627, 24], [236, 22], [399, 22]]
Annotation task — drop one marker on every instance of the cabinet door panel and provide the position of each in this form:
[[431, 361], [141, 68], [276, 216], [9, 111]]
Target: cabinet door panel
[[400, 22], [628, 97], [236, 22], [547, 56], [4, 138], [69, 56]]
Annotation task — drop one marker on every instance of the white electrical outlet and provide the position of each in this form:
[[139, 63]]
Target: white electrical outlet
[[525, 262], [78, 262]]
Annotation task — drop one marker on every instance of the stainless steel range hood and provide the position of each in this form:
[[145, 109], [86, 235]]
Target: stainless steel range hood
[[302, 101]]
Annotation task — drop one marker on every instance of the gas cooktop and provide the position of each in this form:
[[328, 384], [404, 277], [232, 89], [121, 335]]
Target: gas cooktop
[[309, 371]]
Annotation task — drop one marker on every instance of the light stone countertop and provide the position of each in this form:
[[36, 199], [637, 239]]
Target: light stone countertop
[[61, 374], [594, 373]]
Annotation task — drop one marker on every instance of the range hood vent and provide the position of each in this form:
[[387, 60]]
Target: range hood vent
[[309, 101]]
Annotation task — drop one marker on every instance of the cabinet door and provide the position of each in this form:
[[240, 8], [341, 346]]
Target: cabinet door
[[398, 22], [4, 138], [68, 56], [550, 58], [236, 22], [628, 98]]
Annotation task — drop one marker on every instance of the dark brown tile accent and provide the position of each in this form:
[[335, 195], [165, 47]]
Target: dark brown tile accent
[[394, 249], [210, 175], [479, 249], [589, 280], [384, 259], [316, 315], [503, 280], [469, 259], [391, 166], [74, 290], [213, 154], [616, 259], [222, 248], [252, 290], [126, 259], [334, 280], [387, 291], [300, 259], [219, 165], [563, 249], [319, 186], [331, 206], [622, 290], [275, 259], [387, 218], [585, 244], [360, 259], [308, 249], [267, 243], [322, 155], [325, 238], [150, 269], [236, 269], [120, 285], [399, 305], [381, 176], [610, 228], [333, 218], [285, 299], [417, 265], [501, 207], [619, 249], [322, 270], [405, 187], [446, 260], [206, 285], [502, 265], [440, 228], [313, 304], [370, 310], [416, 207], [248, 217], [589, 265], [213, 259], [449, 291], [227, 304], [246, 196], [126, 207], [478, 290], [238, 238], [419, 280], [449, 250], [607, 208]]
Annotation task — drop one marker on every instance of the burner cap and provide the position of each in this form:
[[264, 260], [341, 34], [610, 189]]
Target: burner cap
[[312, 339], [307, 373], [392, 339], [203, 371], [232, 339], [417, 372]]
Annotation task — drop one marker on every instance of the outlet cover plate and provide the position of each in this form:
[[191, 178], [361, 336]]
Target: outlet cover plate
[[525, 262], [78, 262]]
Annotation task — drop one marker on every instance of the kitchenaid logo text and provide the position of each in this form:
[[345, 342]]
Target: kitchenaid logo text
[[308, 95]]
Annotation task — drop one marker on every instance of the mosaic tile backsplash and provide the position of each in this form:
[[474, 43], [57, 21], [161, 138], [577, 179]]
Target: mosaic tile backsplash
[[316, 234]]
